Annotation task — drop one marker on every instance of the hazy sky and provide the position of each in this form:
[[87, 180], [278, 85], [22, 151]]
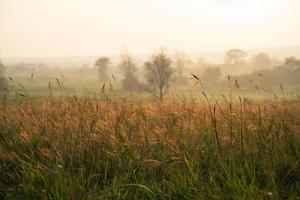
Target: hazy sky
[[94, 27]]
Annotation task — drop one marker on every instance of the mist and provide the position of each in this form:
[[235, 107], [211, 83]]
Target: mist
[[149, 99], [64, 28], [88, 44]]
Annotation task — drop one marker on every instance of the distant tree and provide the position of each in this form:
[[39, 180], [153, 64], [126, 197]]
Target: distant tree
[[211, 76], [235, 57], [261, 60], [3, 82], [292, 63], [181, 62], [293, 67], [159, 72], [287, 73], [127, 66], [102, 65]]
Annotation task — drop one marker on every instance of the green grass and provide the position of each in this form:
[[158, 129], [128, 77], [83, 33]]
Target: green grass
[[227, 143], [79, 148]]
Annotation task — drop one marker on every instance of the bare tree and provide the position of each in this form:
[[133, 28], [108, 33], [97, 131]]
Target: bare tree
[[159, 72], [3, 82], [235, 57], [102, 65], [127, 66]]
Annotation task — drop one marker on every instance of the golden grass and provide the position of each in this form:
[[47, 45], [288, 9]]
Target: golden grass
[[105, 138]]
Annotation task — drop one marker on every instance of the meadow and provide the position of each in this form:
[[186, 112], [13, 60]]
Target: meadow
[[206, 147], [149, 100]]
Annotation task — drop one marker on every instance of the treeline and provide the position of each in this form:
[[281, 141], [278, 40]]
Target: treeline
[[287, 73], [161, 71]]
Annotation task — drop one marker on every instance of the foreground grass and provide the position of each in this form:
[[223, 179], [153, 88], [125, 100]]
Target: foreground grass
[[84, 149]]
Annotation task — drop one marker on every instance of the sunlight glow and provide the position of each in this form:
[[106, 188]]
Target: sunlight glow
[[36, 28]]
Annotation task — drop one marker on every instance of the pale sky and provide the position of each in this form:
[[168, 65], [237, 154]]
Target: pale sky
[[31, 28]]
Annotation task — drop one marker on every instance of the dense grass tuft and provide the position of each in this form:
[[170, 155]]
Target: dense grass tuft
[[83, 149]]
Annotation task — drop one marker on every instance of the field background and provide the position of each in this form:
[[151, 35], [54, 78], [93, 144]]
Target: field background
[[73, 140]]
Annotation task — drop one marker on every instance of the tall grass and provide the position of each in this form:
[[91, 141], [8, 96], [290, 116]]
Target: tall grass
[[77, 148]]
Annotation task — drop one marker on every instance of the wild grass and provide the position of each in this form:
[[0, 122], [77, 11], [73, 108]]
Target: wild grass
[[78, 148]]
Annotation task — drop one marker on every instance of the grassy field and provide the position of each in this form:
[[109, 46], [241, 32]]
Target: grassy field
[[126, 148]]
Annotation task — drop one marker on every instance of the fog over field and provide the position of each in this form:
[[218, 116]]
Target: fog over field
[[149, 99]]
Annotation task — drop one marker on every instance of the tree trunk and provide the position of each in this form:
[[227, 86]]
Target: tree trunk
[[161, 94]]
